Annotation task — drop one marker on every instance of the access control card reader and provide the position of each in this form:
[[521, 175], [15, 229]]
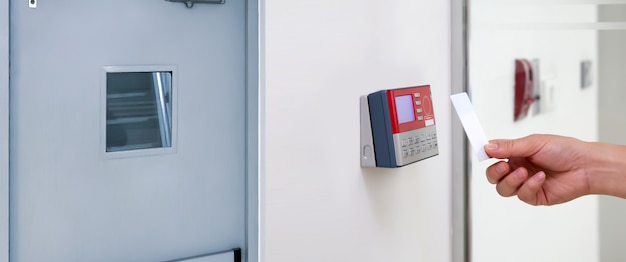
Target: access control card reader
[[397, 127]]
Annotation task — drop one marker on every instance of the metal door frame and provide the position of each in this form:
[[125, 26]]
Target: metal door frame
[[4, 131], [461, 162], [254, 104], [252, 251]]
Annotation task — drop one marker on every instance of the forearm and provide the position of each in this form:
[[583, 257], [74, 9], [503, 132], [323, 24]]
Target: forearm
[[606, 169]]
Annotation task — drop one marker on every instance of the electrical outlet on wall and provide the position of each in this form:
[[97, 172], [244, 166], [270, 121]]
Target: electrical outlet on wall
[[586, 79], [537, 106], [547, 88]]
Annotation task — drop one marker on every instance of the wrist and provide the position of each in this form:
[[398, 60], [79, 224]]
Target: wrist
[[606, 169]]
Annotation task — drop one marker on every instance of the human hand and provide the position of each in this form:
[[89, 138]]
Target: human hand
[[541, 169]]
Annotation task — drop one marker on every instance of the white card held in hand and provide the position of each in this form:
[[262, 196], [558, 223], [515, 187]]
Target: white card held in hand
[[469, 120]]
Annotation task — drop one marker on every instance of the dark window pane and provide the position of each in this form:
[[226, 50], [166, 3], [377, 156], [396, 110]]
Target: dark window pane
[[139, 110]]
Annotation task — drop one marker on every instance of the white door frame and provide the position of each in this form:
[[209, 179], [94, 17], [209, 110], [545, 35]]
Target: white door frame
[[252, 143]]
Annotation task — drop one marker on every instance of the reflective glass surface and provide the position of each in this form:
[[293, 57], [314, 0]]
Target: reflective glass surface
[[138, 110]]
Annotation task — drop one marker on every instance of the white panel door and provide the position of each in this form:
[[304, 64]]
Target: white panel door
[[127, 130]]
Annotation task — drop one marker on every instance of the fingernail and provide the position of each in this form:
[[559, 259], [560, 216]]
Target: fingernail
[[519, 174], [540, 176], [492, 147]]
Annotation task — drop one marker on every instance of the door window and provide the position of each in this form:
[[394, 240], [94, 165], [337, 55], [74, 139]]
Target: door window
[[138, 110]]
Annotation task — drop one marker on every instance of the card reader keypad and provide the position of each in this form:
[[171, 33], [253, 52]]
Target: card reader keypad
[[416, 145]]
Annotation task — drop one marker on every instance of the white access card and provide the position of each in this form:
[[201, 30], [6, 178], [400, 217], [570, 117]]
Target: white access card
[[469, 120]]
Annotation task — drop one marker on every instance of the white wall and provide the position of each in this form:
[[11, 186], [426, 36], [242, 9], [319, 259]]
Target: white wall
[[612, 91], [320, 205], [505, 229]]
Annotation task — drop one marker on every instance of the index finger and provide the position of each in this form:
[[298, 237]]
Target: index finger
[[497, 171]]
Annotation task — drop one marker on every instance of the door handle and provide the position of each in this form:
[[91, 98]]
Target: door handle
[[190, 3]]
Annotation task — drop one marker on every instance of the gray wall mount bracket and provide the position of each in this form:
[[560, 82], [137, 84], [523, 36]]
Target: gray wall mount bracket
[[368, 158]]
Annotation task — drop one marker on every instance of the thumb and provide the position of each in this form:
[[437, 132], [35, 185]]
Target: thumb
[[508, 148]]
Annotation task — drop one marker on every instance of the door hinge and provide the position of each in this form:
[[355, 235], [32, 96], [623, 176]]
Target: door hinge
[[190, 3]]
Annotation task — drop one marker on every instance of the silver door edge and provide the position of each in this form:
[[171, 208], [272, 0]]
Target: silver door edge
[[461, 245], [254, 134], [4, 130]]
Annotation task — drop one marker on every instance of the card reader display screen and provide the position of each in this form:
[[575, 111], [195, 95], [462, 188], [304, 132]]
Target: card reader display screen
[[404, 106]]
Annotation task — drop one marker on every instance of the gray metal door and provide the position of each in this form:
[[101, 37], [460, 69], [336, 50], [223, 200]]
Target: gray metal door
[[127, 130]]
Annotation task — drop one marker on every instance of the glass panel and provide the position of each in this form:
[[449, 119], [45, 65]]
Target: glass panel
[[139, 110]]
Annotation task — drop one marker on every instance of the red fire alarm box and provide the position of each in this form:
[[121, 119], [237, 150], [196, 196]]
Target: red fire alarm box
[[524, 85]]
